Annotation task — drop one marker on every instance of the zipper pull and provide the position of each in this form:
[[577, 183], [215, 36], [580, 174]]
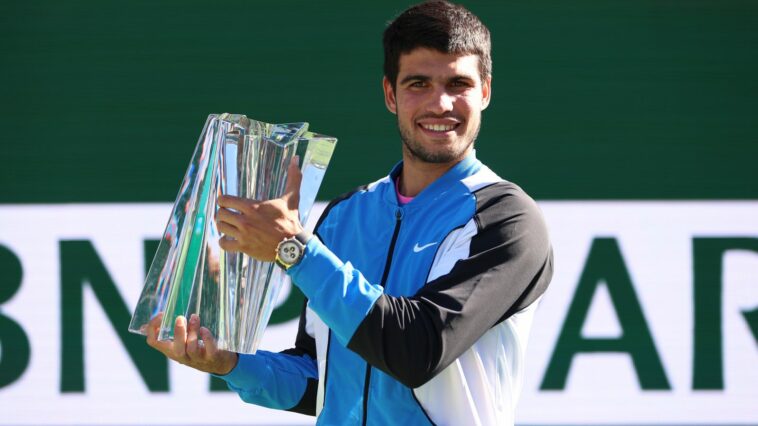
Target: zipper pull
[[399, 214]]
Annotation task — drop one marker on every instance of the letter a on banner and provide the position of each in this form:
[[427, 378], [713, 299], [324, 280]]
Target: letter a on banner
[[605, 264]]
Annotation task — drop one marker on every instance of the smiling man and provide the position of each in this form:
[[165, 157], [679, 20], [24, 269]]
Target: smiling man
[[422, 285], [438, 99]]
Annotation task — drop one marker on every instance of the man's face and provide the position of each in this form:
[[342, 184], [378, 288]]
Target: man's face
[[438, 100]]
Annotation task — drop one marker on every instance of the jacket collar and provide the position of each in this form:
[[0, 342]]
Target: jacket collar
[[465, 168]]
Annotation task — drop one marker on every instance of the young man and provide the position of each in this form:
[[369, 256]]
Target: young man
[[422, 285]]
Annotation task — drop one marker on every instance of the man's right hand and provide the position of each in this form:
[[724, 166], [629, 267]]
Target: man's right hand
[[201, 354]]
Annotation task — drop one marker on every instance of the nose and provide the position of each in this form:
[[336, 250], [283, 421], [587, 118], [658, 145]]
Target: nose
[[440, 102]]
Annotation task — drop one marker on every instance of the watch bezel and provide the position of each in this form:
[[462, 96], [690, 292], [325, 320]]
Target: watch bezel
[[284, 245], [298, 241]]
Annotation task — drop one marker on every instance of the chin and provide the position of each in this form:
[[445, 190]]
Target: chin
[[437, 156]]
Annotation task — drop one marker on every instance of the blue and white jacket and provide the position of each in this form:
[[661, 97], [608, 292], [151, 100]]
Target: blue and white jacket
[[417, 314]]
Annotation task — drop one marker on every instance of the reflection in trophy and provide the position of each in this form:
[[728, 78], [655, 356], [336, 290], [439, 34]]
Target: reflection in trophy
[[232, 293]]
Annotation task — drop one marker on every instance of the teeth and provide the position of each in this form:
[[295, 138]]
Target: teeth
[[439, 127]]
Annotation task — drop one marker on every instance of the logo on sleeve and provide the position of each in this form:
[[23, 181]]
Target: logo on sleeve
[[417, 248]]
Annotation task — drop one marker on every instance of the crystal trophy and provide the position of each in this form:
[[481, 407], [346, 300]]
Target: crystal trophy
[[233, 294]]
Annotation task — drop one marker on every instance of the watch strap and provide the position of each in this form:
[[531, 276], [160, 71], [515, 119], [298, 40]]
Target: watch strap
[[303, 236]]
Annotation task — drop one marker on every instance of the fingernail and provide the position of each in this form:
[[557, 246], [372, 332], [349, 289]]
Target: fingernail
[[194, 318]]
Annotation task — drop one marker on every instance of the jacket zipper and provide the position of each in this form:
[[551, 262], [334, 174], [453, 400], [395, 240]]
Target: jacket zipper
[[398, 219]]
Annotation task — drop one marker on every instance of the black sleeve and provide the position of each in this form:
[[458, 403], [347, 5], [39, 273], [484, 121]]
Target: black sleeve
[[305, 345], [509, 266]]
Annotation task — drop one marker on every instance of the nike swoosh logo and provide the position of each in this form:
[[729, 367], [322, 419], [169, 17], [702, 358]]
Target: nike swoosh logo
[[418, 248]]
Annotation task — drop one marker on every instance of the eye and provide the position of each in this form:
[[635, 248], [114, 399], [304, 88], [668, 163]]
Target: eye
[[460, 83], [418, 84]]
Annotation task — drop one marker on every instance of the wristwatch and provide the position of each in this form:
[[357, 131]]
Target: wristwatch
[[291, 250]]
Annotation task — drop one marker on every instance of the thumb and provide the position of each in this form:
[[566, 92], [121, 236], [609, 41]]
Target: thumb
[[292, 189]]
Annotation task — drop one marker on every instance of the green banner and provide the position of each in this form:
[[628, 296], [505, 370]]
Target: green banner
[[104, 100]]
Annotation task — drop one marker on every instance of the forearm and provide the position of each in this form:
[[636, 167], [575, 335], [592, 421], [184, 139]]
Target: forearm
[[415, 338], [273, 380], [336, 291], [506, 266]]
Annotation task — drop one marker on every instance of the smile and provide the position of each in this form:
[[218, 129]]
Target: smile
[[439, 127]]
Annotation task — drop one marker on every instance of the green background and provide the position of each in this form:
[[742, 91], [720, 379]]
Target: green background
[[103, 101]]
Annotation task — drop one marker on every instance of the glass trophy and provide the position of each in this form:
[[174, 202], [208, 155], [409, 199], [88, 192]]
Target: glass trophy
[[233, 294]]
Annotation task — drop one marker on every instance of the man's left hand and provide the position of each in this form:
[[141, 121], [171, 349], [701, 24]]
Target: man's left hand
[[257, 227]]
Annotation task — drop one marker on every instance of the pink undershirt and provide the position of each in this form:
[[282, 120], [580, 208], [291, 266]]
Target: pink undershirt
[[402, 199]]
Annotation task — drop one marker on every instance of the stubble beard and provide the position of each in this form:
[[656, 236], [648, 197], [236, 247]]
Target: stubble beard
[[417, 150]]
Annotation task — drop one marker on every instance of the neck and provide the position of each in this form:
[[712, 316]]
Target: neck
[[417, 174]]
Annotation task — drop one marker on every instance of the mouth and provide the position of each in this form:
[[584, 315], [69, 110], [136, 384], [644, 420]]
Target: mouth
[[438, 128]]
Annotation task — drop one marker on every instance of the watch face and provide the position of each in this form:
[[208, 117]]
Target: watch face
[[289, 252]]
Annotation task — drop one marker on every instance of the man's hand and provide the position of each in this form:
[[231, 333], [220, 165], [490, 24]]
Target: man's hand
[[186, 349], [257, 227]]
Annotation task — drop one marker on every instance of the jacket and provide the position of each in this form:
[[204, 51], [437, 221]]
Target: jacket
[[416, 314]]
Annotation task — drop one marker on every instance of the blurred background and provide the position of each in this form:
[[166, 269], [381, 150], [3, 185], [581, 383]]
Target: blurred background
[[634, 124]]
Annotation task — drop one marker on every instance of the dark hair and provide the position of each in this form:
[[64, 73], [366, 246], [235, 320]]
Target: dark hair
[[439, 25]]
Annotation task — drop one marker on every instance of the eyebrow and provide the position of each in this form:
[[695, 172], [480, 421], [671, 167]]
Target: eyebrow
[[421, 77], [415, 77]]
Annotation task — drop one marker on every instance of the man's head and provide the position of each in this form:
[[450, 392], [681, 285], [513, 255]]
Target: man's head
[[437, 80], [440, 26]]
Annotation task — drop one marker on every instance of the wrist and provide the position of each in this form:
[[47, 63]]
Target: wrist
[[291, 250], [231, 365]]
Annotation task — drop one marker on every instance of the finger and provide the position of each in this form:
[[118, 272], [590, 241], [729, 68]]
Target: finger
[[211, 346], [237, 203], [192, 345], [292, 189], [229, 244], [229, 217], [153, 334], [228, 230], [180, 338], [153, 328]]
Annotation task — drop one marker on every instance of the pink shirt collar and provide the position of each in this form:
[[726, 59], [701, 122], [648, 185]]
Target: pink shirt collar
[[402, 199]]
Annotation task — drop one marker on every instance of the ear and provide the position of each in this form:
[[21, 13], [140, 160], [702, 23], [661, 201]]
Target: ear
[[389, 96], [486, 92]]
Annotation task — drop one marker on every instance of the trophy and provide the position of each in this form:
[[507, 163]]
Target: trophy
[[232, 293]]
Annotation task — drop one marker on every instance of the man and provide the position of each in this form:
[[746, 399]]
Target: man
[[422, 285]]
